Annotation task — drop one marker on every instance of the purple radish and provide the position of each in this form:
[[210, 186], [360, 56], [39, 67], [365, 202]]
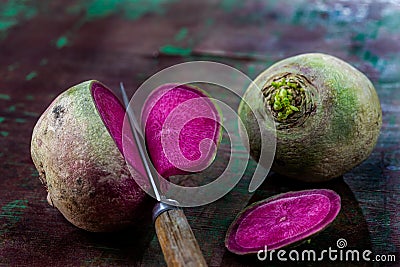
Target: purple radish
[[86, 176], [182, 129], [77, 148], [282, 220]]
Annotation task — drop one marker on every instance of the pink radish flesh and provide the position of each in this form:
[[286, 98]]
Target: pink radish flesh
[[157, 108], [111, 112], [185, 112], [282, 220]]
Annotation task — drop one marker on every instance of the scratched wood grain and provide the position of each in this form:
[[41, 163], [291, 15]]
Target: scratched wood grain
[[48, 46]]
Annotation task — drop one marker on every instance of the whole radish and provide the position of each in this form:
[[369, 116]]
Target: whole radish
[[326, 113]]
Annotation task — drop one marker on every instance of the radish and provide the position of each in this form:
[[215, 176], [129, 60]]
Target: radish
[[182, 129], [77, 149], [326, 114], [282, 220]]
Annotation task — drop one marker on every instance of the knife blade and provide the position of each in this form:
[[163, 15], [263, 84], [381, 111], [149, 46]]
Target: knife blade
[[178, 243], [135, 128]]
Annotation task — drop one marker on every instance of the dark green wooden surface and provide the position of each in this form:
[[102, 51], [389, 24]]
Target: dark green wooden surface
[[48, 46]]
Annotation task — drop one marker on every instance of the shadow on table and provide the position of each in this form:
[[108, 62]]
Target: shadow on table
[[350, 225], [125, 247], [52, 241]]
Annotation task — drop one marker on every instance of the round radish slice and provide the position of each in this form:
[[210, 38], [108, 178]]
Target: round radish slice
[[282, 220]]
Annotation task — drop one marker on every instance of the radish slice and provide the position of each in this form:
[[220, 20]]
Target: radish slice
[[282, 220]]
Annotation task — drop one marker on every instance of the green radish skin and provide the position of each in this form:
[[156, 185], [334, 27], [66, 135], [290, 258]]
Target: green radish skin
[[333, 126], [86, 176]]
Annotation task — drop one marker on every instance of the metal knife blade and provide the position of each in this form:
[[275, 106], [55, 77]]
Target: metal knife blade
[[140, 143]]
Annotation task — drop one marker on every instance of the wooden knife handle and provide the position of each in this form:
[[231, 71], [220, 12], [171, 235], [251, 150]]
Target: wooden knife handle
[[177, 240]]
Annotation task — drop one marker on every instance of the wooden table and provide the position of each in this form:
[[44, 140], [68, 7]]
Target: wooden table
[[48, 46]]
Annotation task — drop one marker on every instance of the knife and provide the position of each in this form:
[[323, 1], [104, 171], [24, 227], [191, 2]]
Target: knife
[[178, 243]]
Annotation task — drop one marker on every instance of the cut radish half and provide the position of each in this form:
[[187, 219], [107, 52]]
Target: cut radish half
[[182, 129]]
